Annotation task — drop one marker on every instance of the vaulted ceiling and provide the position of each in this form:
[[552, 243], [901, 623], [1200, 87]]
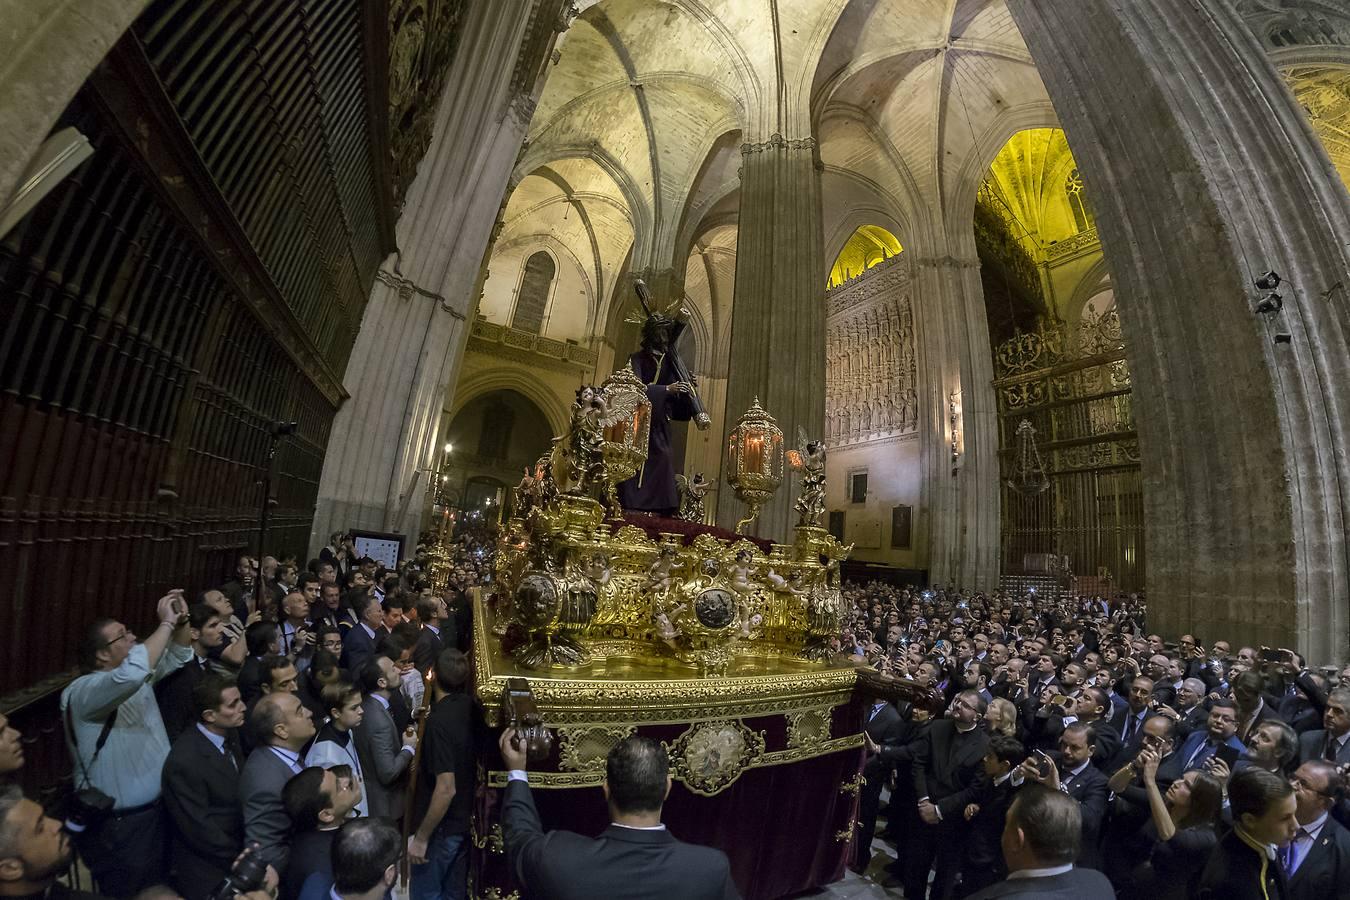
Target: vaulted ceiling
[[634, 150]]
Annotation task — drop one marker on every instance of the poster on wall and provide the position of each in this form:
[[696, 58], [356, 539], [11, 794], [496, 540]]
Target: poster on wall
[[383, 547]]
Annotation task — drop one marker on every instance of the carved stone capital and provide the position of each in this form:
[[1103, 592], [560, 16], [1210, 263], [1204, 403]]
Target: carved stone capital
[[778, 142]]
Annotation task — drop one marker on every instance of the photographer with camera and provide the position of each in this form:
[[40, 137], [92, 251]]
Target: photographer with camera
[[118, 745], [34, 850]]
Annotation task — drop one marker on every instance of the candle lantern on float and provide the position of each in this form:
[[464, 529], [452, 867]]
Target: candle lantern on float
[[754, 461], [627, 428]]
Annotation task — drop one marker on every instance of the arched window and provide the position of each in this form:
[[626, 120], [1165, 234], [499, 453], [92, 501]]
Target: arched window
[[534, 291], [1083, 218]]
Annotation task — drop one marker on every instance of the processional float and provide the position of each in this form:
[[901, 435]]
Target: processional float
[[716, 644]]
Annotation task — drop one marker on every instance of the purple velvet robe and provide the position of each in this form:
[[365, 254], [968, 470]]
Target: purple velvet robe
[[653, 489]]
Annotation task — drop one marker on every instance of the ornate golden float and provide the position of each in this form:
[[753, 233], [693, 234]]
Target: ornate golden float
[[716, 644]]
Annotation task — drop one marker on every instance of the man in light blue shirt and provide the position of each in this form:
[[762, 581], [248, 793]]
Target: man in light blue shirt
[[124, 848]]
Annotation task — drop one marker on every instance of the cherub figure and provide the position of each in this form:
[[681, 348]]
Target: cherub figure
[[662, 571], [740, 572], [790, 585], [666, 630], [597, 569]]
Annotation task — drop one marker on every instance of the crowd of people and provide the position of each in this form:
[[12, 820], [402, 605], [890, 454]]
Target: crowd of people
[[263, 732], [1196, 768], [262, 741]]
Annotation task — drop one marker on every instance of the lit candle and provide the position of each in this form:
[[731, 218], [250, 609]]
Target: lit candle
[[754, 454]]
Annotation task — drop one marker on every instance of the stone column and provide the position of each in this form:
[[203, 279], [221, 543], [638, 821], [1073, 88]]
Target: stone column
[[411, 343], [47, 50], [961, 527], [778, 315], [1205, 173]]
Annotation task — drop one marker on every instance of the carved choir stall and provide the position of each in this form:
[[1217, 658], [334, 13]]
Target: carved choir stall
[[716, 644]]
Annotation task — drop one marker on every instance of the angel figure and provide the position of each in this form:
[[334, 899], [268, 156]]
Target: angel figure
[[524, 494], [790, 585], [692, 491], [739, 572], [597, 569], [666, 630], [578, 459], [662, 571], [810, 460]]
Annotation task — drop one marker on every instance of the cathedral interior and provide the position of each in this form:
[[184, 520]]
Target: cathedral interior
[[1007, 258]]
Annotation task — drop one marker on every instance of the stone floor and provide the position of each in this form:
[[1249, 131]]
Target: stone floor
[[871, 886]]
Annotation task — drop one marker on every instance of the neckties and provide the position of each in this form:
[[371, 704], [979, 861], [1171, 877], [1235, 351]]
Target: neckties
[[1289, 854], [1130, 721], [1329, 754]]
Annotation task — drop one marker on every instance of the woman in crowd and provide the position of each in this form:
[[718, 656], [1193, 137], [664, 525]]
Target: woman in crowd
[[1001, 717], [1176, 841]]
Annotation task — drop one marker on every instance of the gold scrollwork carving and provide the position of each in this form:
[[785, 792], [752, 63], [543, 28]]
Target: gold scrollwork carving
[[710, 756], [845, 835], [563, 780], [493, 893], [584, 749], [854, 786], [809, 728], [494, 841]]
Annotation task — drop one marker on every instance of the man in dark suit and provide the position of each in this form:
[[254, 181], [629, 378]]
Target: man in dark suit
[[317, 801], [1332, 741], [1040, 844], [282, 726], [359, 643], [884, 727], [1076, 776], [982, 864], [1253, 708], [262, 640], [385, 754], [1245, 864], [174, 692], [946, 766], [1137, 708], [201, 791], [240, 589], [634, 857], [1317, 860], [1197, 749], [431, 613]]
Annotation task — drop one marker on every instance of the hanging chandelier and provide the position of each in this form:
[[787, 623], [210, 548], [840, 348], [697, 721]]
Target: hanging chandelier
[[1028, 477]]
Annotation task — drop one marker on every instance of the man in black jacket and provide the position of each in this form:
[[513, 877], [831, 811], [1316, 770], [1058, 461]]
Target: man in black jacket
[[946, 765], [318, 801], [884, 727], [1075, 776], [174, 693], [635, 856], [201, 790], [1245, 865], [1040, 844], [1317, 860], [983, 862]]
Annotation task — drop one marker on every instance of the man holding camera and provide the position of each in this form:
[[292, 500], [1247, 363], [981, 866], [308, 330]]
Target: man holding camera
[[118, 744], [34, 850]]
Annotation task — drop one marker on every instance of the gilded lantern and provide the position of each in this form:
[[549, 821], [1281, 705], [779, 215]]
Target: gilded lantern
[[754, 460], [627, 426]]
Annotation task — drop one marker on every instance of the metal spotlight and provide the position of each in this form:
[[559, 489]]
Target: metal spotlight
[[1284, 337], [280, 429], [1268, 282], [1270, 303]]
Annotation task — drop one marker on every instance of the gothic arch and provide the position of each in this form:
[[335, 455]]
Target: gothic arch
[[513, 379]]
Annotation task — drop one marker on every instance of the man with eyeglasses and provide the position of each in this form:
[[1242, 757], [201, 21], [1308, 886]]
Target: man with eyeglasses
[[1331, 742], [118, 743], [1317, 860], [946, 763]]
